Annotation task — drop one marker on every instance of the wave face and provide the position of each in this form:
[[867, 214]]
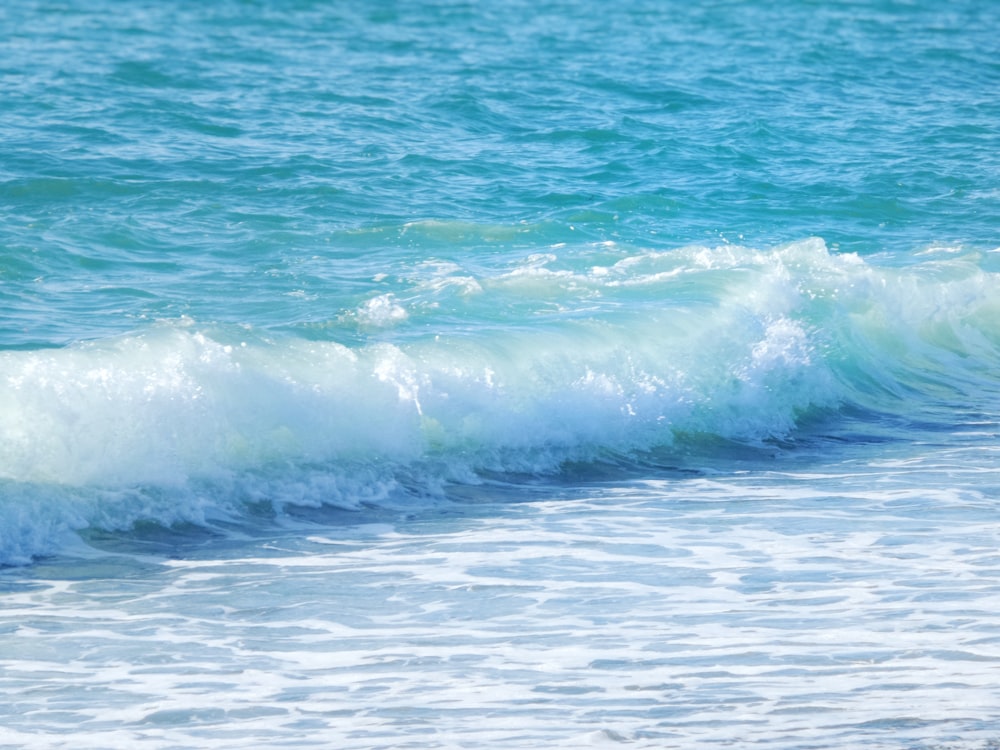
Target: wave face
[[254, 256], [580, 354]]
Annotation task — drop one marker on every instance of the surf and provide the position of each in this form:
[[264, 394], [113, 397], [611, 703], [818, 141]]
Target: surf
[[564, 357]]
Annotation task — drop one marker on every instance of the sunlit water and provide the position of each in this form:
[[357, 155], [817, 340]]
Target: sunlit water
[[538, 375]]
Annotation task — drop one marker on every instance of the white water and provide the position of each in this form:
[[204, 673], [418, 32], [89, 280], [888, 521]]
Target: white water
[[605, 358], [855, 607]]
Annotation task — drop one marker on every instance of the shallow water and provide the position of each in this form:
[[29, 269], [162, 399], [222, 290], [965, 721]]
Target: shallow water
[[844, 607]]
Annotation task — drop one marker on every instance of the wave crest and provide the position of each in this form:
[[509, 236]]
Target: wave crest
[[562, 358]]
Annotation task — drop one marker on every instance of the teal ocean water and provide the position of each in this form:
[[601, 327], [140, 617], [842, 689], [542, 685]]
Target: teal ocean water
[[443, 374]]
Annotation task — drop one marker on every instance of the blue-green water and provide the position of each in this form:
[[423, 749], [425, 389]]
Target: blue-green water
[[521, 374]]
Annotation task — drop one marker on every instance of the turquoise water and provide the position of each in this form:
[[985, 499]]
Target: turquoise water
[[549, 374]]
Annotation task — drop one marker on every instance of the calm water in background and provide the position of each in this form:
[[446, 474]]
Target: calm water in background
[[532, 375]]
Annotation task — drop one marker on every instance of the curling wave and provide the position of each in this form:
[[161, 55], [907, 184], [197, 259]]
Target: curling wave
[[564, 357]]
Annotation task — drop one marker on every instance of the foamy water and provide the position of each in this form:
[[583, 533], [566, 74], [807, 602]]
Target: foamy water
[[792, 609]]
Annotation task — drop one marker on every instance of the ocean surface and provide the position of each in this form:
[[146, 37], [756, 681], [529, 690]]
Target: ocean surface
[[445, 374]]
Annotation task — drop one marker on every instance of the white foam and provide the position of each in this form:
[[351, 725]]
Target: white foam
[[547, 365]]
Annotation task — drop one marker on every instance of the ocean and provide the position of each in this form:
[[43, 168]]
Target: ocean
[[440, 374]]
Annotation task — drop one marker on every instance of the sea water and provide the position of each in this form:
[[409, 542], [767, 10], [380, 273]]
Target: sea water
[[553, 374]]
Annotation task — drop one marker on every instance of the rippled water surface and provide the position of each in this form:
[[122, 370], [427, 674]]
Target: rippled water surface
[[532, 375]]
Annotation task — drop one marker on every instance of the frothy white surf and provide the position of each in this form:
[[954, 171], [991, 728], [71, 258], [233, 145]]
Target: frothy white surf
[[554, 360], [854, 607]]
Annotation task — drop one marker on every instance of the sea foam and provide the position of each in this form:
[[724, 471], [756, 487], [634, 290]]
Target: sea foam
[[608, 356]]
